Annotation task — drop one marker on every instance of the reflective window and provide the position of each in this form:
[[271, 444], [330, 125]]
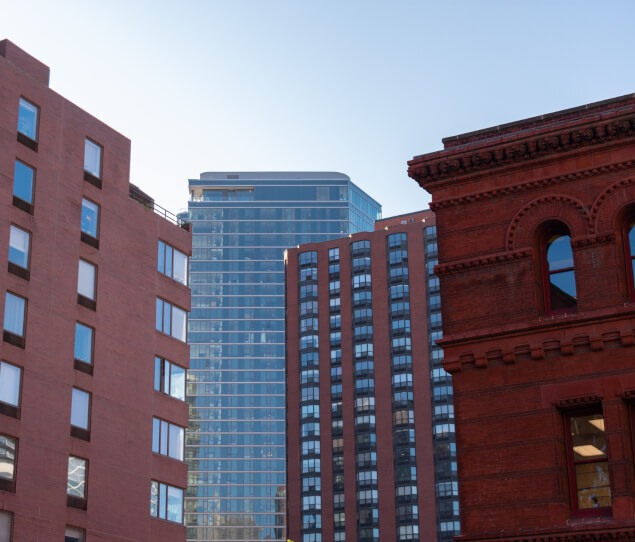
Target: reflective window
[[90, 218], [172, 262], [14, 314], [169, 378], [167, 439], [80, 409], [171, 320], [27, 119], [83, 343], [8, 448], [166, 502], [23, 182], [562, 290], [72, 534], [86, 279], [307, 258], [587, 452], [10, 383], [397, 240], [19, 244], [76, 480], [629, 249], [92, 158]]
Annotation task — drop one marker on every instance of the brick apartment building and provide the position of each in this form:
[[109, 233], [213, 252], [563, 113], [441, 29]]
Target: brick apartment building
[[536, 239], [370, 433], [92, 375]]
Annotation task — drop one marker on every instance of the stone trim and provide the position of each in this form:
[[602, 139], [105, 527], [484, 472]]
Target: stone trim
[[486, 261]]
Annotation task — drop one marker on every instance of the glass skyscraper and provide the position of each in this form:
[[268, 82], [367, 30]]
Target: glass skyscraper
[[235, 446]]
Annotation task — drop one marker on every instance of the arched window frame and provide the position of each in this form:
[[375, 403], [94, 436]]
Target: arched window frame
[[549, 232], [629, 253]]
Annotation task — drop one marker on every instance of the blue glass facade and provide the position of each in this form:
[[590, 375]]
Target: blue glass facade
[[235, 445]]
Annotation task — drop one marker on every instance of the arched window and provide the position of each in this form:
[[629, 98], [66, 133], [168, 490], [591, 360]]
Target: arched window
[[629, 255], [559, 276]]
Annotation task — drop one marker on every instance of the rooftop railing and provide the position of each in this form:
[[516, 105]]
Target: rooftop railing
[[148, 202]]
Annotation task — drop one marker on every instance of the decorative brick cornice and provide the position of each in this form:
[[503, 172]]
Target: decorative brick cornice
[[539, 183], [455, 165], [459, 266], [593, 240], [542, 349], [576, 402]]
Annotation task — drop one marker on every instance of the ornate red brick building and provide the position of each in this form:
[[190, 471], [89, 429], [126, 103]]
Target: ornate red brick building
[[536, 240]]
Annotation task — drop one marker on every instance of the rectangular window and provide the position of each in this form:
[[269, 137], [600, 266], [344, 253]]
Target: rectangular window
[[6, 523], [84, 343], [10, 377], [73, 534], [76, 482], [171, 320], [90, 220], [27, 119], [19, 245], [588, 464], [166, 502], [86, 280], [172, 262], [8, 454], [167, 439], [80, 409], [169, 378], [92, 158], [14, 319], [23, 185]]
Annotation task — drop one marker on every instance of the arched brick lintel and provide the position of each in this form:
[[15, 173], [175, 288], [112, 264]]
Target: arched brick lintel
[[608, 205], [559, 207]]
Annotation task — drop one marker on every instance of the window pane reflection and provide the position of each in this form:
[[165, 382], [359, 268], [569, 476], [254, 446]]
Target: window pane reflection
[[76, 485]]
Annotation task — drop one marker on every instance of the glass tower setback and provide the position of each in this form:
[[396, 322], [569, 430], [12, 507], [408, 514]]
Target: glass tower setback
[[235, 446]]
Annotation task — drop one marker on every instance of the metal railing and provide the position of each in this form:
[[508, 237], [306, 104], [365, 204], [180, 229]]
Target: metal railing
[[150, 204]]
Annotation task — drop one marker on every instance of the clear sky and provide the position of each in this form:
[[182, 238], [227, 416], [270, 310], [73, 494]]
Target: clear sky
[[353, 86]]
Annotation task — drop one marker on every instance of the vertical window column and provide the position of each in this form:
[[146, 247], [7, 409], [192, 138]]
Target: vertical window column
[[310, 398], [365, 427], [407, 511], [444, 439]]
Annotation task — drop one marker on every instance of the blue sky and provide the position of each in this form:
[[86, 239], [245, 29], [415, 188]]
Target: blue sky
[[350, 86]]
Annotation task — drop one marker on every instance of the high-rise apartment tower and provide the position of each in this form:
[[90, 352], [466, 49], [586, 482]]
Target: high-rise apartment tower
[[371, 452], [242, 223]]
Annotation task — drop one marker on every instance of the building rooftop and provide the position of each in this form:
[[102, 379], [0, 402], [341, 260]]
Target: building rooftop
[[272, 176], [554, 118]]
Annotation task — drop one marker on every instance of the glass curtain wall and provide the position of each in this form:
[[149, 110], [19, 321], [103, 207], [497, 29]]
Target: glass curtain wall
[[235, 445]]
